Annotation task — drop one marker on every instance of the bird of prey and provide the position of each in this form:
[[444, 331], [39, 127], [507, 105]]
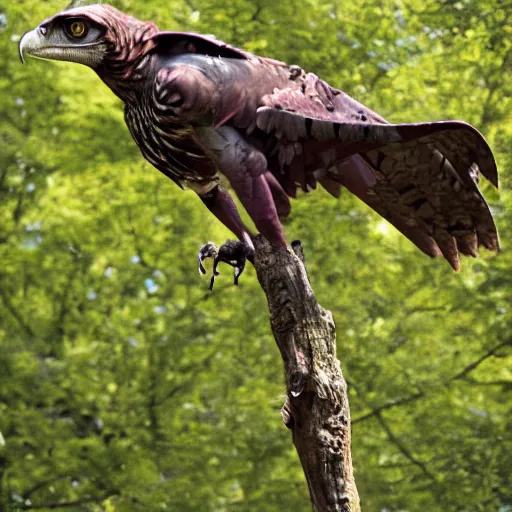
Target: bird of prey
[[199, 108]]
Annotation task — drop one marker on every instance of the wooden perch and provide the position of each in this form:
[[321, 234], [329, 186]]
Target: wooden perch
[[316, 409]]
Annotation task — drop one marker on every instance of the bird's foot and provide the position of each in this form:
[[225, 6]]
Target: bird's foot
[[234, 252]]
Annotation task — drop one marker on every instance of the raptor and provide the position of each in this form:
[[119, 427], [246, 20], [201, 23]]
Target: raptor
[[199, 109]]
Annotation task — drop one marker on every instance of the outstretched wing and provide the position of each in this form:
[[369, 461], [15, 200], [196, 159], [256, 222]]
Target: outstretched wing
[[421, 177]]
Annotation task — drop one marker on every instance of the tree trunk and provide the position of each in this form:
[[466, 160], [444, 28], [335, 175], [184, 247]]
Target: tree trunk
[[316, 409]]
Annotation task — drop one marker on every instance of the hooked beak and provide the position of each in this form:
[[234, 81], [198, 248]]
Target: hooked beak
[[32, 43]]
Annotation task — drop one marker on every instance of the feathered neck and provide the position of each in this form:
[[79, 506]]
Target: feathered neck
[[127, 62]]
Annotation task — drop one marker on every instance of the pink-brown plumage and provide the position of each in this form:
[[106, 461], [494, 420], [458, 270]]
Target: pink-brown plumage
[[199, 108]]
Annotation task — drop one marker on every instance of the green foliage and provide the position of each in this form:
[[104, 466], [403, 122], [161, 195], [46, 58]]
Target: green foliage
[[125, 386]]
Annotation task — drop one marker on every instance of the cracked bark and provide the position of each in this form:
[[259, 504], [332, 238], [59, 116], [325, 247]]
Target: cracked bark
[[317, 408]]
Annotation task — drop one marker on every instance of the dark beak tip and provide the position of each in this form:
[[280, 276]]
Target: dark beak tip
[[20, 48], [26, 42]]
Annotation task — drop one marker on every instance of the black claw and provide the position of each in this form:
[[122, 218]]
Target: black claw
[[202, 270], [233, 252], [238, 271], [208, 250], [215, 272]]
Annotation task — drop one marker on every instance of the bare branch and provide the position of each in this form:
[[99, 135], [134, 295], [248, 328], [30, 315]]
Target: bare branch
[[40, 485], [403, 448], [316, 409], [479, 361], [502, 382], [388, 405], [67, 504], [204, 363], [460, 375], [16, 314]]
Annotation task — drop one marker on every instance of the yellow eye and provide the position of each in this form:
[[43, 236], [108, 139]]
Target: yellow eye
[[78, 29]]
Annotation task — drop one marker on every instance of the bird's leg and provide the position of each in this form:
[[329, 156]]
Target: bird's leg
[[245, 167], [281, 199], [261, 207], [234, 253], [221, 204]]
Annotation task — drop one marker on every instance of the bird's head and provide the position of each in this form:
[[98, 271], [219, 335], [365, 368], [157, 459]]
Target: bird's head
[[97, 35]]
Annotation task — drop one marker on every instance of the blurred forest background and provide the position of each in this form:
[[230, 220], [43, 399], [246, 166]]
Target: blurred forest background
[[126, 386]]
